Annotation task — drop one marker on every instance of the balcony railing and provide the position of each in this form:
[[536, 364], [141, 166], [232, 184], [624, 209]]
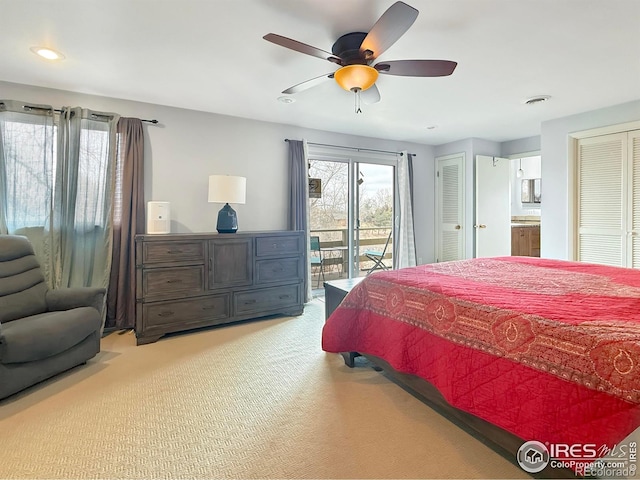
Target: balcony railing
[[333, 243]]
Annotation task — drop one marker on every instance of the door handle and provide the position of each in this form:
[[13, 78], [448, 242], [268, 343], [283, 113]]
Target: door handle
[[482, 225], [457, 227]]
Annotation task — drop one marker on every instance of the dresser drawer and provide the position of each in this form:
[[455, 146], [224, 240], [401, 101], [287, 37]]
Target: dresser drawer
[[167, 252], [278, 269], [266, 299], [183, 312], [172, 281], [278, 245]]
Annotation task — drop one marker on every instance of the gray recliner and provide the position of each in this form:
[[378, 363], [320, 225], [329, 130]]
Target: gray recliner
[[42, 332]]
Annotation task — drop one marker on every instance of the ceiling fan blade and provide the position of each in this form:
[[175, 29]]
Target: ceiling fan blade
[[301, 47], [417, 68], [308, 84], [388, 29], [370, 95]]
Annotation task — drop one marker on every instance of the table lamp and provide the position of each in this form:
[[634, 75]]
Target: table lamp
[[227, 189]]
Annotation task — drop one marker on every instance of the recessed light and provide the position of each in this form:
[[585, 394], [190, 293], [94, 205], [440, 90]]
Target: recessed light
[[47, 53], [537, 99], [286, 99]]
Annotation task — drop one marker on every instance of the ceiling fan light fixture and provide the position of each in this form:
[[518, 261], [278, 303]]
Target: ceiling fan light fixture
[[358, 77]]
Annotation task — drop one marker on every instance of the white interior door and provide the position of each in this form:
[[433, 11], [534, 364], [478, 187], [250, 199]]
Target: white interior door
[[450, 240], [493, 207]]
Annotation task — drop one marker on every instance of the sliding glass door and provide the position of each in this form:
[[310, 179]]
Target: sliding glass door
[[374, 226], [351, 211]]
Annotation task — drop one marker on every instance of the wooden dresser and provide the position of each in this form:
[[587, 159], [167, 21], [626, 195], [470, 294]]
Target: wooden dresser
[[186, 281]]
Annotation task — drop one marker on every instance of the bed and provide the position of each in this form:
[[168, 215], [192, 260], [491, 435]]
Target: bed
[[544, 352]]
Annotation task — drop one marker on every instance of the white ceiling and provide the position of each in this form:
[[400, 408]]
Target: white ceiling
[[209, 55]]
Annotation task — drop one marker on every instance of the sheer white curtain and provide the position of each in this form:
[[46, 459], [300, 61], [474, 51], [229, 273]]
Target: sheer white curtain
[[27, 161], [56, 185], [405, 244]]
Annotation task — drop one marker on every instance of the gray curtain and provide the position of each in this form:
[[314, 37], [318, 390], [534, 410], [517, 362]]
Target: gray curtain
[[83, 197], [299, 201], [128, 220]]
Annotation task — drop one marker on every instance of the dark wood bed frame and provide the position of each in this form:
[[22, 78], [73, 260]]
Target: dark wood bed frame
[[499, 440]]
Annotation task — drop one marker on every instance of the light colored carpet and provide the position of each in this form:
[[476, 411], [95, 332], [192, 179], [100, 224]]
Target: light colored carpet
[[252, 400]]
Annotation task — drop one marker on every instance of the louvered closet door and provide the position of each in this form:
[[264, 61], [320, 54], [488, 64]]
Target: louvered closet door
[[602, 194], [450, 209], [633, 149]]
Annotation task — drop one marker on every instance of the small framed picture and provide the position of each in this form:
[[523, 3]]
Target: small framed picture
[[315, 188]]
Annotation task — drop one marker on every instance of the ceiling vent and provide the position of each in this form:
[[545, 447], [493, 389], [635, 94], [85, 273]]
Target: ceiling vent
[[537, 99]]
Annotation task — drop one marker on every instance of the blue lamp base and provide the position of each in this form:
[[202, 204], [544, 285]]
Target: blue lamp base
[[227, 220]]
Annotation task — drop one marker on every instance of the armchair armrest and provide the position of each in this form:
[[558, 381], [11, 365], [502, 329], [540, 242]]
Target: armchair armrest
[[68, 298]]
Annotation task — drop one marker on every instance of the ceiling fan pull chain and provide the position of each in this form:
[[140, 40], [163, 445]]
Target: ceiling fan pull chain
[[357, 93]]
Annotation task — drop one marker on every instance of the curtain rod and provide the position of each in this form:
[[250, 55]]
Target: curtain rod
[[154, 121], [356, 148], [57, 110]]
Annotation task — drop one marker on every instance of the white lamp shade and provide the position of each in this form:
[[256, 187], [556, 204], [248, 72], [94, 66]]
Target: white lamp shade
[[227, 189]]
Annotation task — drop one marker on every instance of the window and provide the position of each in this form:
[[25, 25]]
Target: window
[[29, 151], [30, 166]]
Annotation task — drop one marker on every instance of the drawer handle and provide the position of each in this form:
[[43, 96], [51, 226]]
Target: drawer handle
[[282, 297], [174, 251], [249, 302], [208, 308], [175, 280], [166, 313]]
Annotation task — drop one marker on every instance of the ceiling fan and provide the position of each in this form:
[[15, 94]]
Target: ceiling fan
[[356, 52]]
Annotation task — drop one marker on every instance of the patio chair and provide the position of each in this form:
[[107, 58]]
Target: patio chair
[[316, 257], [377, 257]]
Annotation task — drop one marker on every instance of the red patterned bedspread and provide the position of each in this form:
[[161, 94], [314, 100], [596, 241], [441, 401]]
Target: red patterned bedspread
[[549, 350]]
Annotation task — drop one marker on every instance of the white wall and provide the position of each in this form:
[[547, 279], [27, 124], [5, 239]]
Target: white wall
[[188, 146], [557, 171], [424, 204], [521, 145]]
